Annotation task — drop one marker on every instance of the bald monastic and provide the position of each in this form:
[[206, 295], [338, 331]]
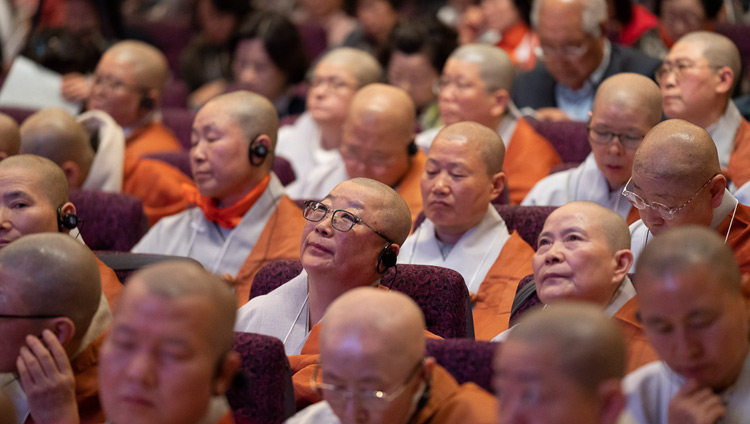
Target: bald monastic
[[9, 136], [626, 106], [315, 137], [702, 94], [242, 219], [572, 355], [52, 283], [677, 181], [375, 339], [475, 86], [694, 308], [462, 230], [127, 84], [378, 143]]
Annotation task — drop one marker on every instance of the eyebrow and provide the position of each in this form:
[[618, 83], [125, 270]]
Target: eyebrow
[[15, 194]]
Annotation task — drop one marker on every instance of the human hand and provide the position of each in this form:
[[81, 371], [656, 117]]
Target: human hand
[[75, 87], [48, 381], [695, 404]]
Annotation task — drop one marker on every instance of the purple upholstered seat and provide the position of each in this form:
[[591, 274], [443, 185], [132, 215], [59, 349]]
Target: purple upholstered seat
[[180, 160], [570, 139], [527, 220], [283, 169], [124, 264], [109, 221], [440, 292], [466, 360], [169, 35], [174, 95], [19, 114], [263, 392], [180, 121]]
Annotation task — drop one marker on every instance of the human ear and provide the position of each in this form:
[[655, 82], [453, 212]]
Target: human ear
[[611, 400], [64, 329], [498, 184], [502, 98], [225, 371], [623, 260], [726, 80]]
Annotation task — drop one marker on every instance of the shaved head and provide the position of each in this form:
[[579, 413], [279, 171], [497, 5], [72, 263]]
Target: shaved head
[[477, 136], [52, 274], [392, 211], [677, 152], [495, 67], [681, 249], [363, 66], [605, 221], [173, 281], [718, 50], [54, 134], [631, 91], [389, 106], [588, 347], [49, 177], [9, 136], [148, 64]]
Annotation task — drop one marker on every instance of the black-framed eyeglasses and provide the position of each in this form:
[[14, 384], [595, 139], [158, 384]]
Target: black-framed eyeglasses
[[605, 138], [372, 399], [341, 220], [664, 211], [678, 68], [8, 316], [112, 84]]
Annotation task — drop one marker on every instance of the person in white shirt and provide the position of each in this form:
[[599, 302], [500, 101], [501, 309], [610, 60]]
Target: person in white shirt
[[695, 309]]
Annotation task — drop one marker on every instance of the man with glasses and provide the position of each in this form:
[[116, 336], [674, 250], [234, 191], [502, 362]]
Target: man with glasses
[[626, 107], [373, 368], [351, 237], [697, 80], [677, 181], [53, 318], [242, 218], [577, 57], [127, 84], [474, 87], [315, 137], [694, 306], [377, 143]]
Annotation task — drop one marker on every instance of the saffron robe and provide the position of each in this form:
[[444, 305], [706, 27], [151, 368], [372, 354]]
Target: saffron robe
[[151, 138]]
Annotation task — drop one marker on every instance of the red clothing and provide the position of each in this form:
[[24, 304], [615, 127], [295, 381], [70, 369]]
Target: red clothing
[[738, 169], [528, 159], [519, 41], [739, 236], [157, 184], [642, 21], [152, 138]]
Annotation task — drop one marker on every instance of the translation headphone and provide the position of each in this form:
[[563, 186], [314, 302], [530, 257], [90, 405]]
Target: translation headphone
[[69, 220], [386, 259], [147, 102], [257, 153], [412, 148]]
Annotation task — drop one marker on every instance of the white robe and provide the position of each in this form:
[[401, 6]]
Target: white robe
[[107, 168], [473, 255], [320, 181], [724, 131], [220, 250], [650, 388], [640, 235], [300, 145], [585, 182], [283, 313]]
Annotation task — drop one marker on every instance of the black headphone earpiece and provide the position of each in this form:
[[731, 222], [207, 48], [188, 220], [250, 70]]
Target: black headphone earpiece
[[386, 259], [69, 220], [257, 153], [147, 102], [412, 148]]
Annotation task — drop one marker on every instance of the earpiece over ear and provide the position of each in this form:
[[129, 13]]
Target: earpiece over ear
[[69, 220], [386, 259], [147, 102], [257, 153]]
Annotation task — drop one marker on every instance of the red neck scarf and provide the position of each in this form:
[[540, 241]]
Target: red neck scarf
[[230, 216]]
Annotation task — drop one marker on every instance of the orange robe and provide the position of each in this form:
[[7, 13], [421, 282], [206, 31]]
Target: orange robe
[[738, 169], [739, 236], [529, 158], [280, 239], [157, 184], [111, 285], [86, 371], [640, 351], [450, 403], [410, 186], [493, 302], [152, 138]]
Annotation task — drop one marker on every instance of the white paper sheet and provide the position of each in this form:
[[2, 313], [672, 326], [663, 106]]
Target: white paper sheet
[[31, 86]]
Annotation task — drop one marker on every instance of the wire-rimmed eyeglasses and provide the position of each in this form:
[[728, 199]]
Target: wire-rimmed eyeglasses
[[341, 220], [664, 211]]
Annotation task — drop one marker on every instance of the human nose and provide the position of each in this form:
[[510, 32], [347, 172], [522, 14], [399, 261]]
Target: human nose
[[687, 344], [553, 254], [325, 225], [440, 184], [140, 368], [5, 223]]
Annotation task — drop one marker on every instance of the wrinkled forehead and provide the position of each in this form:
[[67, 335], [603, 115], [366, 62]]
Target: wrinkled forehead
[[687, 50], [572, 218], [22, 182]]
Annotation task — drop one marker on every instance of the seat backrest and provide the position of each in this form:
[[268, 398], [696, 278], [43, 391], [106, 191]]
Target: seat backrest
[[466, 360], [126, 263], [180, 121], [263, 391], [109, 221], [569, 138], [525, 299], [440, 292], [528, 221], [19, 114]]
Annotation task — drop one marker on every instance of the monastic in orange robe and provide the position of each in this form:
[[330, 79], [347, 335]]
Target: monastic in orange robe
[[157, 184], [739, 236], [529, 158], [410, 186], [738, 169], [152, 138], [111, 285], [640, 351]]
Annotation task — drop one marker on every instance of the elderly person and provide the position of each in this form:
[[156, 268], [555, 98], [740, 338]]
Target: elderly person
[[242, 217], [315, 137], [694, 309], [377, 143], [373, 341], [571, 356], [577, 58], [462, 230], [626, 106], [475, 86]]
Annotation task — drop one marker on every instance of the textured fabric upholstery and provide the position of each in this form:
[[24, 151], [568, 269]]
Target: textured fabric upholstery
[[109, 221], [466, 360], [125, 263], [440, 292], [19, 114], [262, 393], [180, 121], [174, 95], [283, 169], [569, 138]]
